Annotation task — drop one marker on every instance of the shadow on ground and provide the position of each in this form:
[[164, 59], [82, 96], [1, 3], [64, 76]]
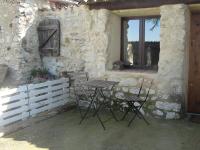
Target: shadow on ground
[[62, 132]]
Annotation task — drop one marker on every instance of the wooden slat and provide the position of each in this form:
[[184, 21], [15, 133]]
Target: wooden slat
[[13, 98], [39, 85], [138, 4], [53, 88], [34, 99], [48, 95], [53, 82], [62, 80], [46, 90], [14, 119], [47, 27], [59, 92], [58, 98], [8, 92], [39, 104], [13, 105], [39, 110], [60, 103], [37, 92], [13, 112]]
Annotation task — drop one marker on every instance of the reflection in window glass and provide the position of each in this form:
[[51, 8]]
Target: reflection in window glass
[[131, 44], [152, 42]]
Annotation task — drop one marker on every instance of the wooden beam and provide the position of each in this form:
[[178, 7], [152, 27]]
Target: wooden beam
[[138, 4], [74, 2], [153, 11]]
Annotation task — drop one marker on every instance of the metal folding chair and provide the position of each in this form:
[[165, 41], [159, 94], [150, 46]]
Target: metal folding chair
[[77, 77], [135, 103], [81, 93], [133, 97]]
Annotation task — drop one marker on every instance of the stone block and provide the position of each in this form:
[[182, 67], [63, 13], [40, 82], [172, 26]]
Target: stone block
[[117, 89], [151, 107], [125, 89], [143, 97], [168, 106], [119, 95], [128, 82], [164, 97], [153, 98], [172, 115], [158, 112], [135, 91], [151, 91]]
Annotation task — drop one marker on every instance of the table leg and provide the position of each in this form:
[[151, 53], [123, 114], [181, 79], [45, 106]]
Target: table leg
[[131, 120], [113, 114], [104, 97], [89, 107], [126, 113], [100, 121]]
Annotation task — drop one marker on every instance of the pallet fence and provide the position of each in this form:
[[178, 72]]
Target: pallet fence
[[28, 100]]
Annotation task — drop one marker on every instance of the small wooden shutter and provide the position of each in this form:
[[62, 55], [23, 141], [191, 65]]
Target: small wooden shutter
[[49, 37]]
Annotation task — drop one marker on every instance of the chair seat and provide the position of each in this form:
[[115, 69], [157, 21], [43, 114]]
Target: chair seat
[[86, 92], [133, 98]]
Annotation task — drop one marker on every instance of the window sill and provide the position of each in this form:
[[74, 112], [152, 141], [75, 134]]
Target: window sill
[[131, 72]]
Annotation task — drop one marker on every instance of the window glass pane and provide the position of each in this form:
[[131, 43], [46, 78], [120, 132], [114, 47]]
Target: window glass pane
[[131, 42], [152, 43], [133, 30]]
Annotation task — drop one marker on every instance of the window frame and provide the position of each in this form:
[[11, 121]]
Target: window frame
[[141, 39]]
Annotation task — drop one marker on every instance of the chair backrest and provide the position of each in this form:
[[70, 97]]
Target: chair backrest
[[76, 81], [140, 87], [77, 77], [149, 88]]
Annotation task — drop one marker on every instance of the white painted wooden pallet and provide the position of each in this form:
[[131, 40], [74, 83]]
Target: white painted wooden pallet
[[29, 100], [13, 105]]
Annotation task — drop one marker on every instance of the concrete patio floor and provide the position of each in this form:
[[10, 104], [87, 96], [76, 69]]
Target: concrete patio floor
[[62, 132]]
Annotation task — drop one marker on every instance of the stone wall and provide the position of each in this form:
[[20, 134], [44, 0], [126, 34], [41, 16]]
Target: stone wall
[[86, 37], [18, 38], [9, 49], [87, 41], [90, 41]]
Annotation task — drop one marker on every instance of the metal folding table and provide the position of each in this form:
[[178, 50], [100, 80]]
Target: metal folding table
[[100, 87]]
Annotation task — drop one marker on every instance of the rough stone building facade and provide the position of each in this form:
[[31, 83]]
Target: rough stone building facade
[[90, 41]]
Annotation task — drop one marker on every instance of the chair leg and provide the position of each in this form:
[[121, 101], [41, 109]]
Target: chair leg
[[97, 110], [137, 114], [126, 113], [78, 106], [113, 114], [143, 117], [88, 109], [79, 109], [101, 121], [132, 120]]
